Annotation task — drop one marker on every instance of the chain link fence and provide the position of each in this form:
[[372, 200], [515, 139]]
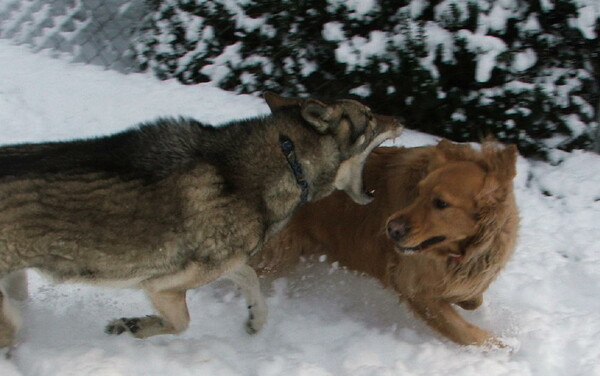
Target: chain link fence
[[96, 32]]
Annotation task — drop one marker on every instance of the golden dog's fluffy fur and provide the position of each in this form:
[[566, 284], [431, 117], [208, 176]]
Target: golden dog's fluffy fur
[[443, 224]]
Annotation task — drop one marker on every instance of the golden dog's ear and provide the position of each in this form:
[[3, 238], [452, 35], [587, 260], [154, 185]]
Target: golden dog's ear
[[502, 168], [509, 161], [494, 191], [445, 151], [276, 101], [440, 154], [502, 161]]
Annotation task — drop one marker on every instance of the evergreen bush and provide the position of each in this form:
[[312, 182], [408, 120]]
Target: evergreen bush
[[524, 71]]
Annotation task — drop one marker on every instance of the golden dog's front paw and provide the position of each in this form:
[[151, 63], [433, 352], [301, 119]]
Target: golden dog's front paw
[[508, 345]]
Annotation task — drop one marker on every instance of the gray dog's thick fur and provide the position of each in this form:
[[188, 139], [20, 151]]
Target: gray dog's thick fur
[[171, 205]]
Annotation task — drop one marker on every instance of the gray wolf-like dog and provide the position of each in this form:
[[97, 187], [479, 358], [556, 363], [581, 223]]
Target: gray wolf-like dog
[[174, 204]]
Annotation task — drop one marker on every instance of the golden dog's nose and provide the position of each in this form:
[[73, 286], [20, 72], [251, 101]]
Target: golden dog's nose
[[397, 229]]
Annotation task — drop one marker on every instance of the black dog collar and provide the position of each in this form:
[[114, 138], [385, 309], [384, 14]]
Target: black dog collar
[[287, 147]]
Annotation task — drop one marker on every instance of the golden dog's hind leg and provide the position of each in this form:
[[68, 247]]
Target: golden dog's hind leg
[[174, 317], [245, 278]]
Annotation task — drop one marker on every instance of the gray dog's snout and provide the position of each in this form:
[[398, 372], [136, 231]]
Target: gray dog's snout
[[397, 229]]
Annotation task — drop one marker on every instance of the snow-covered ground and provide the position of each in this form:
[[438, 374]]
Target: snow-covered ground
[[323, 320]]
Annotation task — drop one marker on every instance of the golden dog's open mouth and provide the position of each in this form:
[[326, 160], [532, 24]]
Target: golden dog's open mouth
[[424, 245]]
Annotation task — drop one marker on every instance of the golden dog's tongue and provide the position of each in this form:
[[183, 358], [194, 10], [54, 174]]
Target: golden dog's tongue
[[421, 247]]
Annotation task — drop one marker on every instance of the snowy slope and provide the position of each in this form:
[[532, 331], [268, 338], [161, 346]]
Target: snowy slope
[[323, 320]]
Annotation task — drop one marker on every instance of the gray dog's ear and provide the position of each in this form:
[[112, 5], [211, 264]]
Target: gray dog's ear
[[276, 101], [321, 116]]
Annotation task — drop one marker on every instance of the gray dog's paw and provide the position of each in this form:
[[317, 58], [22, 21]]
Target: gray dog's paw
[[256, 318], [250, 329], [123, 324], [139, 327]]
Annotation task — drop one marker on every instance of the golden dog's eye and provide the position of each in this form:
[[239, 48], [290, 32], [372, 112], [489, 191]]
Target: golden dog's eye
[[440, 204]]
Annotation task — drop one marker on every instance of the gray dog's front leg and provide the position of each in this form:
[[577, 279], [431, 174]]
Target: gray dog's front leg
[[246, 279], [173, 319], [13, 287]]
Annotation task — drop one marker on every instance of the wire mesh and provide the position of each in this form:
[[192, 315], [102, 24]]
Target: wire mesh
[[89, 31]]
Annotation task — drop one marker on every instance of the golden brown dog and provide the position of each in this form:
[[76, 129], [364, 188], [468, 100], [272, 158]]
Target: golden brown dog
[[443, 224]]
